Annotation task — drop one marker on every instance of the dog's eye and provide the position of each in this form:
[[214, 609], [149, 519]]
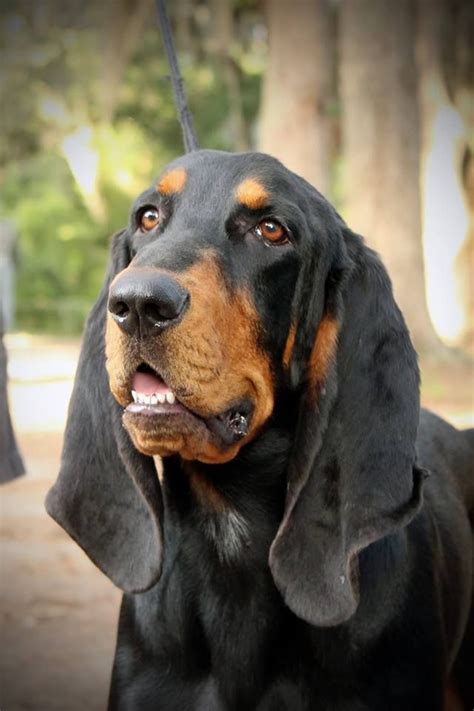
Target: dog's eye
[[272, 232], [149, 218]]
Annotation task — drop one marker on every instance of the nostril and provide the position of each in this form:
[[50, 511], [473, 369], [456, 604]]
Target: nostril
[[120, 308], [168, 307], [155, 312]]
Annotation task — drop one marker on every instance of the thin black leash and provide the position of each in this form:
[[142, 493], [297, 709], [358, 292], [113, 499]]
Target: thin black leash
[[184, 115]]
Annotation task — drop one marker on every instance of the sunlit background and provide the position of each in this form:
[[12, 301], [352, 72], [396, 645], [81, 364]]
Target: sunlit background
[[369, 100]]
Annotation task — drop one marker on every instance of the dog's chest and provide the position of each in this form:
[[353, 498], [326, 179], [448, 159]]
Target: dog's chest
[[222, 636], [228, 533], [217, 625], [249, 647]]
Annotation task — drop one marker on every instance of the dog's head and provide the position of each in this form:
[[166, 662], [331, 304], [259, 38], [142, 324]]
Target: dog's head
[[197, 321], [236, 285]]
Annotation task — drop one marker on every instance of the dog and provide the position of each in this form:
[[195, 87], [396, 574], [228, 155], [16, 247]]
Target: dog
[[306, 542]]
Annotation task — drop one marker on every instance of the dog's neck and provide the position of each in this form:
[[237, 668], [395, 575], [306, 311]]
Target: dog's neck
[[236, 506]]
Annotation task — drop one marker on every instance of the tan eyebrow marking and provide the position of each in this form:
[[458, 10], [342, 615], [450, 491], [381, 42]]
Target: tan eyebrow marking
[[172, 182], [252, 194]]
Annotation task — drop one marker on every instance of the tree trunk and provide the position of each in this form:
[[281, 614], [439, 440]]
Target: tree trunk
[[447, 175], [380, 127], [295, 125], [224, 34], [123, 23]]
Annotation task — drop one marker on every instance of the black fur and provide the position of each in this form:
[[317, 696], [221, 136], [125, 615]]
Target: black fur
[[353, 589]]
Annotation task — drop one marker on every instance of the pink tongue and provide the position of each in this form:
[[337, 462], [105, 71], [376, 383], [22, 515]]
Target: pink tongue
[[148, 384]]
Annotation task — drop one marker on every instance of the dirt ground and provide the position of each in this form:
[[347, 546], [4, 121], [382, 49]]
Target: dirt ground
[[58, 612]]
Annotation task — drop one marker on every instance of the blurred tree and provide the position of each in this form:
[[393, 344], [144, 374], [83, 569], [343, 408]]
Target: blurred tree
[[446, 90], [381, 138], [295, 121]]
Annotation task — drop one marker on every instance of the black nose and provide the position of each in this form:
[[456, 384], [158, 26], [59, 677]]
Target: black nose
[[145, 302]]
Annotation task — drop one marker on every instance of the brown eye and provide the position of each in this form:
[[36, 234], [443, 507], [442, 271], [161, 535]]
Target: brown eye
[[272, 231], [149, 218]]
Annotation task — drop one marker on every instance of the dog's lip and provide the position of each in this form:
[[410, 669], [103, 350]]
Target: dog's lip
[[227, 428], [137, 408]]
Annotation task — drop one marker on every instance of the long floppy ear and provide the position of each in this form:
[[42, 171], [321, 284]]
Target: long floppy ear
[[107, 496], [352, 478]]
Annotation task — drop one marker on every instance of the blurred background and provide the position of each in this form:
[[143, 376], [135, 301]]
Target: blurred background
[[372, 101]]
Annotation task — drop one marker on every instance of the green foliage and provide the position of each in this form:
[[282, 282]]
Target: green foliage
[[61, 249]]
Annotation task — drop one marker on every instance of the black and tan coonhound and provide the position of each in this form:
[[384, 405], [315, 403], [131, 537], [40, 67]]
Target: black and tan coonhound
[[306, 544]]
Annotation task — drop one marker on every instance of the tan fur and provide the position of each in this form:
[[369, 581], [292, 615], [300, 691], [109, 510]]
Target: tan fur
[[116, 345], [206, 494], [211, 360], [172, 182], [322, 354], [289, 345], [252, 194], [452, 700]]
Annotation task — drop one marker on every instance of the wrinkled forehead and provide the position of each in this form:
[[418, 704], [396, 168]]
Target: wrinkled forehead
[[215, 178]]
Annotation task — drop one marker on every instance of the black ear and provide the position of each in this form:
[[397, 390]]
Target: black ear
[[107, 496], [352, 478]]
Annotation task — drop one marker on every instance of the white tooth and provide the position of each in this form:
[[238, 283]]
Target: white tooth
[[170, 397], [154, 399], [161, 397], [146, 399], [135, 396], [140, 398]]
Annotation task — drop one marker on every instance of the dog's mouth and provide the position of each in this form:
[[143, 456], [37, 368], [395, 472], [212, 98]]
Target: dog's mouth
[[156, 407], [151, 394]]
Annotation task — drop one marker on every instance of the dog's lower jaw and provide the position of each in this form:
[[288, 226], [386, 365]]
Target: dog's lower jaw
[[195, 445]]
